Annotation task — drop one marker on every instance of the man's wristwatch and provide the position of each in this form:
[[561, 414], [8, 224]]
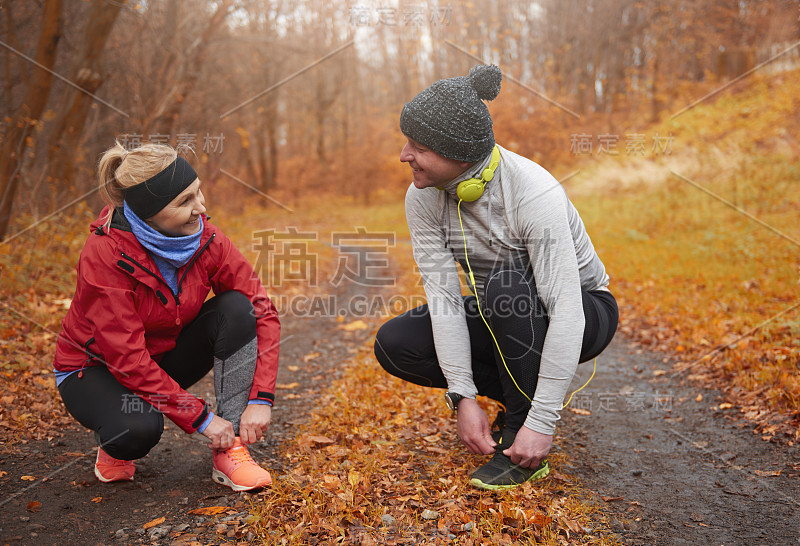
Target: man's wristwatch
[[452, 399]]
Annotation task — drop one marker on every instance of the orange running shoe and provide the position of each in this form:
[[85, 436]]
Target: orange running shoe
[[108, 469], [235, 468]]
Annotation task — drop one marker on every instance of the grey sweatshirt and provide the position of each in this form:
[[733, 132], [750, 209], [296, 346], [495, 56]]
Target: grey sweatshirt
[[523, 216]]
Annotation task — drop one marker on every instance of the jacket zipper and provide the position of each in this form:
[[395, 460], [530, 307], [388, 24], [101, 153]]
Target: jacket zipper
[[191, 262], [180, 283], [143, 268]]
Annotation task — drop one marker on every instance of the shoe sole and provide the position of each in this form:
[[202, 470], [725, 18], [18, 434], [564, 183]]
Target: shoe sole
[[538, 475], [106, 480], [222, 479]]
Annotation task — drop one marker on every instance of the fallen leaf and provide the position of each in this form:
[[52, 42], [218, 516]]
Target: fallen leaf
[[699, 398], [155, 522], [318, 441], [3, 473], [209, 510], [310, 356], [64, 303], [573, 525], [331, 479], [725, 405], [658, 373], [34, 506], [28, 478], [355, 325], [353, 478], [407, 498], [540, 519], [611, 499], [768, 472], [293, 368], [580, 411], [97, 499], [292, 385]]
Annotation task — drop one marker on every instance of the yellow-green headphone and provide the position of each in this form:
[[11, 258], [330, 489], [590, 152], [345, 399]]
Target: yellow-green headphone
[[471, 190]]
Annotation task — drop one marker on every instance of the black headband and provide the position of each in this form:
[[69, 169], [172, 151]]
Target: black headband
[[147, 198]]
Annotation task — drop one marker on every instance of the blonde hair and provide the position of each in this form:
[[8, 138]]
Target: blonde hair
[[120, 168]]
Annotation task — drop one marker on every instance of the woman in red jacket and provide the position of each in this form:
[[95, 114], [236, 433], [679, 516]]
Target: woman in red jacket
[[140, 331]]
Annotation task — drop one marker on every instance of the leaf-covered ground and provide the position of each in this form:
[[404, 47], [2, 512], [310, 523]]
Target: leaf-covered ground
[[709, 281]]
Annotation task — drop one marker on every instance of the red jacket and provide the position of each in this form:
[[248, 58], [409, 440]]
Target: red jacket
[[125, 316]]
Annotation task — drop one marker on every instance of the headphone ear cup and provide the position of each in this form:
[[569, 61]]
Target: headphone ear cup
[[470, 190]]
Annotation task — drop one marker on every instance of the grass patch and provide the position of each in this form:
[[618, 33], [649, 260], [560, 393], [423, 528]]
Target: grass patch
[[708, 284]]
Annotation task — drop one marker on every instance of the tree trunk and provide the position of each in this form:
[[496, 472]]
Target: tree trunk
[[185, 77], [27, 115], [66, 135]]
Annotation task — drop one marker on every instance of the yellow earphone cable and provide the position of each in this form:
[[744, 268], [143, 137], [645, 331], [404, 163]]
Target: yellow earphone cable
[[594, 369], [475, 290], [496, 344]]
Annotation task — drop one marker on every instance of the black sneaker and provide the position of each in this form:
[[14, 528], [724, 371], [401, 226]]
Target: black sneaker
[[500, 473]]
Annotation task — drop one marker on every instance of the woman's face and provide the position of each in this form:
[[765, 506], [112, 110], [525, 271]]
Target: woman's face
[[182, 215]]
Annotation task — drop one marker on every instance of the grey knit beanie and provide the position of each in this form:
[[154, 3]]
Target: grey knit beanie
[[450, 117]]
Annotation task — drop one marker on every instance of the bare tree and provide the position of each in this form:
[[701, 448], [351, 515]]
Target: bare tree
[[68, 127], [27, 115], [181, 69]]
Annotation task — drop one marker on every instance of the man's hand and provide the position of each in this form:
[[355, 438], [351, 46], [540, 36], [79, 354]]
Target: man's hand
[[254, 422], [529, 448], [473, 428], [220, 432]]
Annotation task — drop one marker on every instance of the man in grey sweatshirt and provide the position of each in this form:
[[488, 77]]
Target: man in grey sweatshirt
[[540, 302]]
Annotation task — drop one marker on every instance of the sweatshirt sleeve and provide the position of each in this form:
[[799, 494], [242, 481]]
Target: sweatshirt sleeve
[[440, 280], [543, 219]]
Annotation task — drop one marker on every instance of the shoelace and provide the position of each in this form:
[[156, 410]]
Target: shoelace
[[238, 454]]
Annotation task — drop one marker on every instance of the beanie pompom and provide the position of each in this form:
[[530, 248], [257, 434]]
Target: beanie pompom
[[485, 79]]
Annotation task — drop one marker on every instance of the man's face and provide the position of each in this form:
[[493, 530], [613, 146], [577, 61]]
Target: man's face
[[429, 168]]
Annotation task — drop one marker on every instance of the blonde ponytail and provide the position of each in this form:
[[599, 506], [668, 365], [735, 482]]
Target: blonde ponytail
[[120, 168]]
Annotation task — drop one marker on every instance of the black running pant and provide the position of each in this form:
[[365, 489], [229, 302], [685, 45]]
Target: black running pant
[[125, 425], [404, 345]]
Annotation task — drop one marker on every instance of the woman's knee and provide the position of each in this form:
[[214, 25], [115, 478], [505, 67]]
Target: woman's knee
[[133, 436], [235, 306], [237, 316]]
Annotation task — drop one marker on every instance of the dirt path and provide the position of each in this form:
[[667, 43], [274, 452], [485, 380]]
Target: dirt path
[[174, 478], [683, 471]]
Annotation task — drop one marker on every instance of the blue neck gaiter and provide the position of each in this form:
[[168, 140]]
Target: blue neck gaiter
[[169, 253]]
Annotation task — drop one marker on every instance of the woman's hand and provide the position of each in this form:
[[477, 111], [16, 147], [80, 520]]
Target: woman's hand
[[529, 448], [473, 428], [220, 432], [254, 422]]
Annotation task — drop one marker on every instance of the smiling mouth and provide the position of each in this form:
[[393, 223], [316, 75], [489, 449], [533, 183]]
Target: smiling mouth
[[193, 221]]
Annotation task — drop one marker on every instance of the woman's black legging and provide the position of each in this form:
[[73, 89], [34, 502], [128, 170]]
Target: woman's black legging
[[404, 345], [128, 427]]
